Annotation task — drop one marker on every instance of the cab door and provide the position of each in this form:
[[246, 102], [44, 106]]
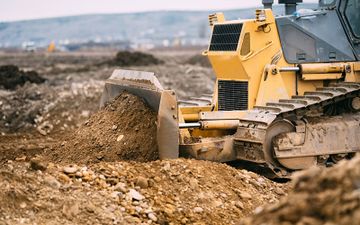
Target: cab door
[[350, 13]]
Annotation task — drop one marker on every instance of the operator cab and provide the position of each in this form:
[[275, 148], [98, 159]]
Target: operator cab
[[329, 34]]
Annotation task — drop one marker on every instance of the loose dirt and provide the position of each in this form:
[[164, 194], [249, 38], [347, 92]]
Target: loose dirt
[[319, 196], [125, 129], [126, 58], [199, 60], [11, 77], [63, 163], [161, 192]]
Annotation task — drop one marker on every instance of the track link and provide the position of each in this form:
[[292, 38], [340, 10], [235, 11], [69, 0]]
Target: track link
[[257, 126]]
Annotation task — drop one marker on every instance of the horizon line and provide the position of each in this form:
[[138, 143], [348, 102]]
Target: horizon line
[[134, 12]]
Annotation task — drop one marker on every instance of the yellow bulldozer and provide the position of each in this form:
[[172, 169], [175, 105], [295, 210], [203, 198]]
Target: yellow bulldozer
[[286, 95]]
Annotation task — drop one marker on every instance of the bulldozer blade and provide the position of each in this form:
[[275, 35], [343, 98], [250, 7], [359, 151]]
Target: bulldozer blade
[[146, 86]]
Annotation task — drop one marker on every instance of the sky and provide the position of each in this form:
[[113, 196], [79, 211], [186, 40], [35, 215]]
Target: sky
[[12, 10]]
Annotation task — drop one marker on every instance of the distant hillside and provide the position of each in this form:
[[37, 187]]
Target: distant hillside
[[147, 27]]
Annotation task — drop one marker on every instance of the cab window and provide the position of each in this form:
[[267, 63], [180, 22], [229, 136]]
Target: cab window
[[352, 14]]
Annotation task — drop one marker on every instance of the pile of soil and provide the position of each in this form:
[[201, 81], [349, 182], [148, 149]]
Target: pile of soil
[[126, 58], [319, 196], [161, 192], [125, 129], [199, 60], [45, 110], [11, 77]]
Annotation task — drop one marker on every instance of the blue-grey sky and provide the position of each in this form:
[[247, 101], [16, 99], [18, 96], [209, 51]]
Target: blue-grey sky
[[11, 10]]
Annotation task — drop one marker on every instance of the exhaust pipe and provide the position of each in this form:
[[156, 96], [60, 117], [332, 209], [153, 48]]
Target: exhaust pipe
[[290, 5], [268, 4]]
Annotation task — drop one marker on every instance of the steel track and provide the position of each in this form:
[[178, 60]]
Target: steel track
[[253, 127]]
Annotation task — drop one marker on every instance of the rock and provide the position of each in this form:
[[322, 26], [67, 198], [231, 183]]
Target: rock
[[193, 183], [37, 164], [142, 182], [239, 204], [261, 180], [184, 221], [70, 209], [90, 207], [157, 179], [132, 220], [198, 210], [41, 131], [135, 195], [223, 195], [245, 196], [85, 113], [152, 217], [115, 194], [166, 166], [279, 191], [258, 210], [119, 138], [45, 128], [52, 182], [114, 127], [63, 178], [20, 159], [216, 203], [169, 209], [23, 205], [70, 169], [120, 187], [79, 174]]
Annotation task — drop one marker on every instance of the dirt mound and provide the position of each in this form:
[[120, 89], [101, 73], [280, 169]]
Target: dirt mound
[[11, 77], [126, 58], [199, 60], [45, 110], [176, 191], [125, 129], [319, 196]]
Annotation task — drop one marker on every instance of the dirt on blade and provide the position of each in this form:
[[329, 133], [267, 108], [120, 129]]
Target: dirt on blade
[[125, 129]]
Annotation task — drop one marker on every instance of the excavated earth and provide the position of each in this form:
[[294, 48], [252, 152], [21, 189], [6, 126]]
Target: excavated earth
[[162, 192], [125, 129], [127, 58], [65, 161], [11, 77], [319, 196]]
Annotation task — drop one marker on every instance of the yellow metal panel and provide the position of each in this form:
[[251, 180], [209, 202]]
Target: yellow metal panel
[[194, 109], [263, 49], [265, 44], [189, 114], [224, 115], [272, 88], [357, 66], [323, 76], [322, 68]]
